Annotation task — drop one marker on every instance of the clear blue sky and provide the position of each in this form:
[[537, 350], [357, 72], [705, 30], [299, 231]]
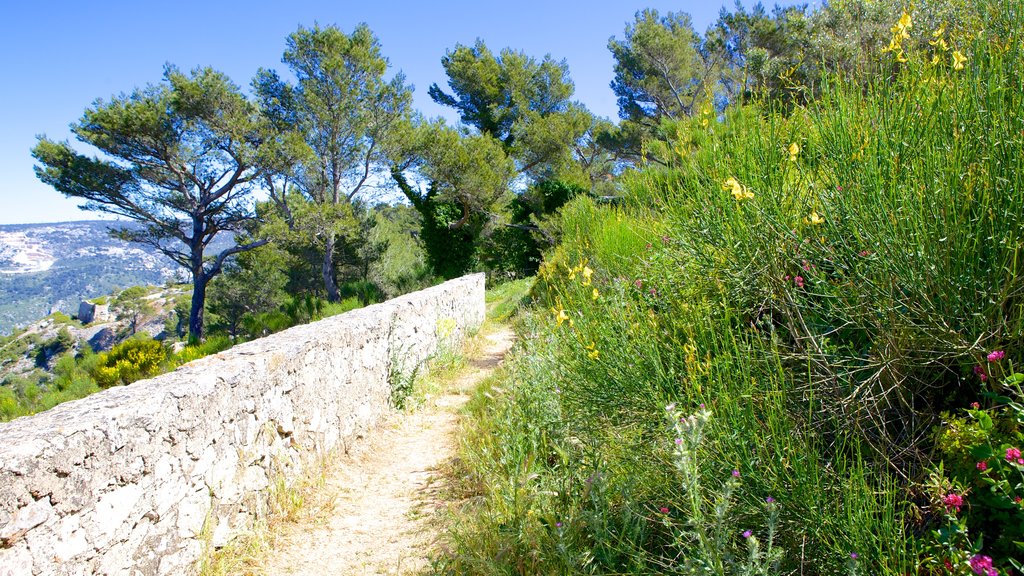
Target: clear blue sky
[[58, 57]]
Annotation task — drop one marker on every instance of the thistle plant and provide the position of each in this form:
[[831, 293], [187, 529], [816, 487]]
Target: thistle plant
[[708, 539]]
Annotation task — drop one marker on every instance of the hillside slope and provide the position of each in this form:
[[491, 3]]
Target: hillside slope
[[50, 267]]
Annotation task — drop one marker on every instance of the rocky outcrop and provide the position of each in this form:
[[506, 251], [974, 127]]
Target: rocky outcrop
[[138, 479]]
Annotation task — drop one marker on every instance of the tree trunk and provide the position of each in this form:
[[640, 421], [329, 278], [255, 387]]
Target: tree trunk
[[328, 271], [195, 316]]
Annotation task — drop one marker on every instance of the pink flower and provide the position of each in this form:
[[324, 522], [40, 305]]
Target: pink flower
[[953, 502], [748, 533], [806, 266], [996, 355], [638, 283], [982, 565], [735, 473], [975, 405], [799, 281], [770, 500], [863, 253], [663, 510], [1012, 454], [981, 466], [980, 371]]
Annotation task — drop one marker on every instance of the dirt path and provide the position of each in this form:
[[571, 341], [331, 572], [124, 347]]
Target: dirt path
[[386, 489]]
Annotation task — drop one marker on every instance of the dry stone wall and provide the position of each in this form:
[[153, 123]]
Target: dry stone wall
[[138, 479]]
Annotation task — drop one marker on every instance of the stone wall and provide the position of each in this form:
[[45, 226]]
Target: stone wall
[[138, 479]]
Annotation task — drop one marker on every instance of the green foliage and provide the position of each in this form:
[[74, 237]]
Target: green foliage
[[980, 456], [660, 71], [329, 131], [129, 361], [821, 281], [211, 345], [400, 265], [254, 284], [176, 157], [133, 306]]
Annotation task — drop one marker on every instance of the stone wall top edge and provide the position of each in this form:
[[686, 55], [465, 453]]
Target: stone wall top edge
[[144, 396]]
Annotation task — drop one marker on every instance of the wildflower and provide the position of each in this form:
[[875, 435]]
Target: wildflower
[[981, 466], [592, 351], [738, 191], [794, 151], [558, 524], [996, 356], [958, 60], [770, 500], [670, 407], [748, 533], [587, 273], [735, 473], [799, 281], [560, 315], [953, 502], [983, 565], [975, 405], [1013, 454], [905, 23], [663, 510], [679, 441], [854, 555], [980, 371], [665, 239], [813, 218], [638, 283], [594, 295], [864, 253]]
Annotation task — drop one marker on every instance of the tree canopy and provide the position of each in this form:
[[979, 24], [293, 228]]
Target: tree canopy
[[331, 129], [178, 157]]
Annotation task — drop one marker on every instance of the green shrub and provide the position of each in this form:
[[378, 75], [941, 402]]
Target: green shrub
[[129, 361]]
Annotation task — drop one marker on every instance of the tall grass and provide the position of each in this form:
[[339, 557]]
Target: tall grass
[[812, 288]]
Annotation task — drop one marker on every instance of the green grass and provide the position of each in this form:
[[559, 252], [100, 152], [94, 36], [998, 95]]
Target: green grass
[[818, 323]]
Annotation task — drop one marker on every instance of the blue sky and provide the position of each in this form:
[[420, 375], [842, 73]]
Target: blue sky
[[58, 57]]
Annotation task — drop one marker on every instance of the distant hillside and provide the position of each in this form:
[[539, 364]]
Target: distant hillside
[[47, 267]]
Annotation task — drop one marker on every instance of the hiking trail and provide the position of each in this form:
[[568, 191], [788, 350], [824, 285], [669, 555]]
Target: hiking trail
[[387, 490]]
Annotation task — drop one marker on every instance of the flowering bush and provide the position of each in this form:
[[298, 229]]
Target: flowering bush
[[982, 451]]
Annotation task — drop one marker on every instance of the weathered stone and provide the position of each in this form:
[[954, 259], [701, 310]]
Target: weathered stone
[[15, 561], [27, 518], [129, 481]]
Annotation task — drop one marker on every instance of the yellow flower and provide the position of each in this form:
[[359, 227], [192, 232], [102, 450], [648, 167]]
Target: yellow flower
[[901, 57], [936, 60], [738, 191], [938, 33], [794, 150], [901, 27], [587, 273], [595, 294], [592, 351], [813, 219], [560, 316], [958, 60], [940, 43]]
